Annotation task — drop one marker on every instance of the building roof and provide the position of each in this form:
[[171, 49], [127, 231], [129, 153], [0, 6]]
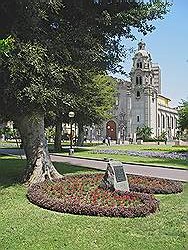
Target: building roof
[[142, 52], [164, 97]]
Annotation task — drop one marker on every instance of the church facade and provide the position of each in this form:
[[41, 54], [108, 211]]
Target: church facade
[[140, 102]]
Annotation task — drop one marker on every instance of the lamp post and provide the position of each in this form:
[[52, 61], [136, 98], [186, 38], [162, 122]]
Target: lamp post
[[123, 134], [71, 116]]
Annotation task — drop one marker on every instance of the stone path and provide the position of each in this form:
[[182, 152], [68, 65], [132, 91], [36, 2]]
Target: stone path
[[155, 171]]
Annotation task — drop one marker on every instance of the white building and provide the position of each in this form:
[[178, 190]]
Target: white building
[[140, 102]]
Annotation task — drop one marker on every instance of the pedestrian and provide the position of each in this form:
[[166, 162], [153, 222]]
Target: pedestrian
[[165, 140], [108, 140], [103, 140]]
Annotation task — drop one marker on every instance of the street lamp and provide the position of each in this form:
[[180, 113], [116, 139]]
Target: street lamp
[[71, 116], [123, 130]]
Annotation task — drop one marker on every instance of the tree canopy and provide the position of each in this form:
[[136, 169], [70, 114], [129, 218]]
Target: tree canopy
[[183, 115], [56, 44]]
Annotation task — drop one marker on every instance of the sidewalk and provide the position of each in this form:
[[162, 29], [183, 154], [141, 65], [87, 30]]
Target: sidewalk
[[155, 171], [161, 172]]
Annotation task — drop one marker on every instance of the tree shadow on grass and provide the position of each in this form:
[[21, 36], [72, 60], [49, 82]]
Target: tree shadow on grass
[[11, 170], [67, 168]]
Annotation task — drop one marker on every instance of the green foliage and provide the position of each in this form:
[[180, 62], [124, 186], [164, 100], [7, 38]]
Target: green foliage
[[50, 132], [98, 93], [8, 132], [183, 115], [57, 44], [162, 136], [6, 45], [144, 133]]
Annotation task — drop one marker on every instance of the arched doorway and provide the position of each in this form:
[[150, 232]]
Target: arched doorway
[[111, 130]]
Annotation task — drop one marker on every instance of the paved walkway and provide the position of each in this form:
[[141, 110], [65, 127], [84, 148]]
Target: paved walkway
[[162, 172]]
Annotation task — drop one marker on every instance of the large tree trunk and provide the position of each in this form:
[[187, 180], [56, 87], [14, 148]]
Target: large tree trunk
[[39, 165], [80, 141], [58, 134]]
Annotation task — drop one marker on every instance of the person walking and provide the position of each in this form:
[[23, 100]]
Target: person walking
[[108, 140]]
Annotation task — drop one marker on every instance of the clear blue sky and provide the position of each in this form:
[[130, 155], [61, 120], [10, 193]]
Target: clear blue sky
[[168, 45]]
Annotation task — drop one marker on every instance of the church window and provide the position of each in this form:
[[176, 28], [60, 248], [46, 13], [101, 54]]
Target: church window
[[176, 123], [159, 121], [172, 122], [139, 65], [168, 121], [138, 118], [138, 94], [163, 121], [151, 80], [139, 80], [153, 97]]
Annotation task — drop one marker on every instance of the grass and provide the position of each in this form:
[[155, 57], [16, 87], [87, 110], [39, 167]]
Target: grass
[[24, 226], [177, 163], [87, 152]]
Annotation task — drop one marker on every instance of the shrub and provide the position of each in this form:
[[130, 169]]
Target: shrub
[[80, 194], [153, 185]]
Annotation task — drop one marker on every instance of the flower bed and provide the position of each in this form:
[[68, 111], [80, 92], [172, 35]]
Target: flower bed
[[164, 155], [80, 194], [153, 185]]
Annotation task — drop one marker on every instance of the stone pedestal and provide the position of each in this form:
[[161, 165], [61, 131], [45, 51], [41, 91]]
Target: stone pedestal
[[115, 177]]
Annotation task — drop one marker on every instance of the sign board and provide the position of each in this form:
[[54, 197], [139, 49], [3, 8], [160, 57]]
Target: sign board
[[115, 177], [120, 177], [119, 173]]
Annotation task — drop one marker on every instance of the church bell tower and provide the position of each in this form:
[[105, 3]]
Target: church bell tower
[[143, 92]]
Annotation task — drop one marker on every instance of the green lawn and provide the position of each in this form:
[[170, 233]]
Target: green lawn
[[26, 226], [87, 152], [177, 163]]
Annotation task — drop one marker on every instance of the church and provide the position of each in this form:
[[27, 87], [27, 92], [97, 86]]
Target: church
[[140, 102]]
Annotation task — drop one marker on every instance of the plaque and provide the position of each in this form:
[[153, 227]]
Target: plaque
[[119, 173]]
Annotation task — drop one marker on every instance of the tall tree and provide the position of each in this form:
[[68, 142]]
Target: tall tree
[[98, 92], [183, 115], [99, 95], [56, 42]]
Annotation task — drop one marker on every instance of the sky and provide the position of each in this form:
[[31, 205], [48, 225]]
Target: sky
[[168, 45]]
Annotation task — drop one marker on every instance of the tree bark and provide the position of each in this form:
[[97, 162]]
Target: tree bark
[[39, 166], [80, 134], [58, 134]]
